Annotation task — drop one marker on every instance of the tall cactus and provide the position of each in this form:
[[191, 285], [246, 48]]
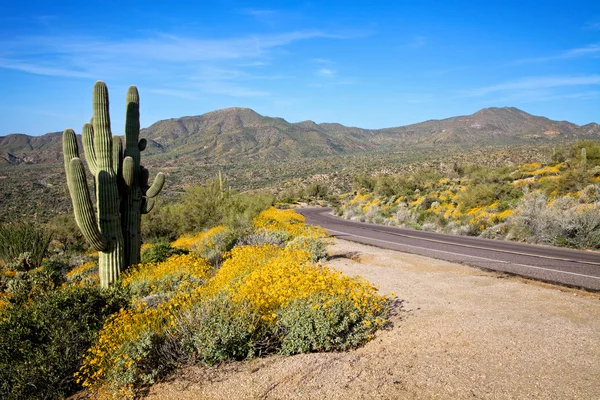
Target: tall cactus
[[138, 198], [121, 185]]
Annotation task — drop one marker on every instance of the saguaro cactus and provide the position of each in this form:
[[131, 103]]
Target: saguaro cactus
[[122, 191], [138, 198]]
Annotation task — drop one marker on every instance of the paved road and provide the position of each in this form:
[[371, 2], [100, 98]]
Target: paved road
[[551, 264]]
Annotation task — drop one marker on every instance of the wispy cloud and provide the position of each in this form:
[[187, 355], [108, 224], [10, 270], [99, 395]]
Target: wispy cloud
[[39, 69], [326, 72], [592, 26], [534, 83], [325, 61], [174, 93], [592, 50], [217, 66], [538, 96]]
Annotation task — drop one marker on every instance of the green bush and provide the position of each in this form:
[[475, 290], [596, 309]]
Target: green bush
[[219, 329], [203, 207], [262, 237], [487, 193], [315, 246], [23, 244], [42, 343], [323, 323], [29, 285], [160, 251], [65, 230]]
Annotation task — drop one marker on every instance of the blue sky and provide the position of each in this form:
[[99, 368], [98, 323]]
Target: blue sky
[[371, 64]]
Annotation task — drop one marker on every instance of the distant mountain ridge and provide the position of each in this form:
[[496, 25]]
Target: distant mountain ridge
[[241, 133]]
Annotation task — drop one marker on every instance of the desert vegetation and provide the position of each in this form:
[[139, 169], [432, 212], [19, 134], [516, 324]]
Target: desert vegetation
[[247, 282], [554, 202]]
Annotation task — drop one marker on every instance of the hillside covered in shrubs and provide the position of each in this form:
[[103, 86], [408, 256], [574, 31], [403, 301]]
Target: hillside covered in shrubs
[[556, 203], [246, 282]]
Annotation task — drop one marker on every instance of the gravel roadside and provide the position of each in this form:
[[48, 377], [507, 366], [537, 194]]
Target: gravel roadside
[[462, 333]]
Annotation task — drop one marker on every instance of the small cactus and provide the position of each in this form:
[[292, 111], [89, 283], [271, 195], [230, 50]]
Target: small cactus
[[122, 191]]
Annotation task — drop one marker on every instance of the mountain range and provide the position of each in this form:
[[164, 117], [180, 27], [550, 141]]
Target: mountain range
[[235, 134]]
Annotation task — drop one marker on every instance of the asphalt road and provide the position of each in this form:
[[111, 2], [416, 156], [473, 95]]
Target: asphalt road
[[568, 267]]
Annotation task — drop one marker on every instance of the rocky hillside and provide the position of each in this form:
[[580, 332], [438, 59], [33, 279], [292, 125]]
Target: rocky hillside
[[240, 133]]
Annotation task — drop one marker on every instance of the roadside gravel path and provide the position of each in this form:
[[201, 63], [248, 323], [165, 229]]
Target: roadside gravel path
[[463, 333]]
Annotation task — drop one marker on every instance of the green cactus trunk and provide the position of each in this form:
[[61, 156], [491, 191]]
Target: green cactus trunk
[[122, 190], [131, 205]]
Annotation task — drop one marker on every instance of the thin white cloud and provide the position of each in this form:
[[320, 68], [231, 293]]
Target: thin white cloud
[[323, 61], [592, 50], [538, 96], [592, 26], [42, 70], [534, 83], [259, 13], [218, 66], [87, 51], [326, 72], [174, 93], [230, 89]]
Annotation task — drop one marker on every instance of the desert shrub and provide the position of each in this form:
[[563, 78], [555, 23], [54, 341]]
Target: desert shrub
[[220, 329], [486, 194], [162, 222], [22, 287], [315, 246], [85, 274], [160, 251], [264, 237], [210, 244], [42, 343], [65, 230], [287, 221], [206, 206], [562, 222], [324, 323], [23, 244], [231, 312], [316, 190], [364, 182], [592, 148], [166, 277]]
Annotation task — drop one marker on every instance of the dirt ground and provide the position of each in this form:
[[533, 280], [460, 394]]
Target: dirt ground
[[461, 333]]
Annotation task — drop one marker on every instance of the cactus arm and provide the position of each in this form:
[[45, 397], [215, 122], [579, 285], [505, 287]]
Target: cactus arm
[[117, 149], [147, 205], [157, 185], [102, 132], [70, 148], [88, 148], [82, 203], [132, 125], [142, 144], [128, 171]]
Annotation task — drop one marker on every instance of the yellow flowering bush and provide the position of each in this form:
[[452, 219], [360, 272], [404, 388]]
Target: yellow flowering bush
[[197, 240], [241, 311], [262, 298], [166, 276], [85, 274], [288, 221]]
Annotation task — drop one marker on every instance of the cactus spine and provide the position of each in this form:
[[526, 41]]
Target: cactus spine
[[121, 185]]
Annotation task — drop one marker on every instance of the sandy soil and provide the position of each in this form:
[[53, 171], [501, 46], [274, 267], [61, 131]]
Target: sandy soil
[[462, 333]]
